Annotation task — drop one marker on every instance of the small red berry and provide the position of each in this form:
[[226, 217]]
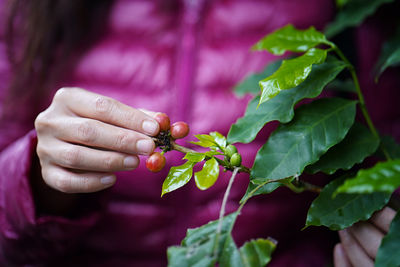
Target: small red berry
[[179, 130], [163, 121], [155, 162]]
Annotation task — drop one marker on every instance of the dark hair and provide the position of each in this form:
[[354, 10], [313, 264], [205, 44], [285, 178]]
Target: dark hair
[[38, 32]]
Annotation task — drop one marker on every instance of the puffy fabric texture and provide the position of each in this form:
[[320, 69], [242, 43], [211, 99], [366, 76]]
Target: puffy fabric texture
[[183, 60]]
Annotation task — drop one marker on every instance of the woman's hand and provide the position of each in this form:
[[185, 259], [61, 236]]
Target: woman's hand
[[360, 242], [84, 137]]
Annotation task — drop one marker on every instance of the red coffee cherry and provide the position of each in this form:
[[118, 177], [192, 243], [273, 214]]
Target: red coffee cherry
[[163, 121], [179, 130], [155, 162]]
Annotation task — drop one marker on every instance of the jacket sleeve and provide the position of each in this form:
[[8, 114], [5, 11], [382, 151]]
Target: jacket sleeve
[[26, 238]]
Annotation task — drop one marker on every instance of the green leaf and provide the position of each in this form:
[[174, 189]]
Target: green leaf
[[341, 3], [255, 253], [390, 55], [346, 86], [214, 140], [383, 177], [194, 157], [197, 248], [391, 147], [280, 108], [219, 139], [264, 189], [345, 209], [289, 38], [208, 175], [358, 144], [315, 128], [177, 177], [250, 83], [353, 14], [205, 140], [388, 253], [291, 73]]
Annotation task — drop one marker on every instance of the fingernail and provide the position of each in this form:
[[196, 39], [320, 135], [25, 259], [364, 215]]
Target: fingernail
[[150, 127], [145, 146], [130, 162], [107, 180]]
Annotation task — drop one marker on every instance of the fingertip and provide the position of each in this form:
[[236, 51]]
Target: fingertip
[[108, 180], [131, 162], [150, 127]]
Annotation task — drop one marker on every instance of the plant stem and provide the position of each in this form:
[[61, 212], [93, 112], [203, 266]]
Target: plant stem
[[175, 146], [223, 206], [361, 98]]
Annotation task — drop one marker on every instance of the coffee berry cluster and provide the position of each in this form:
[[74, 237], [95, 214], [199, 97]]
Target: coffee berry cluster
[[168, 132]]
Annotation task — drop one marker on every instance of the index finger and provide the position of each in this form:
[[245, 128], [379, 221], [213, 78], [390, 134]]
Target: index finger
[[91, 105]]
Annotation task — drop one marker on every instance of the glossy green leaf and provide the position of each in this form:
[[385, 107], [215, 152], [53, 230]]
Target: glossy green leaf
[[215, 140], [315, 128], [289, 38], [358, 144], [208, 175], [205, 140], [388, 254], [345, 209], [219, 139], [177, 177], [383, 177], [255, 253], [390, 55], [290, 74], [198, 247], [280, 108], [194, 157], [353, 14], [250, 83]]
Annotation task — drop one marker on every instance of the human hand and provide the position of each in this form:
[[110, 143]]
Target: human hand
[[84, 137], [360, 242]]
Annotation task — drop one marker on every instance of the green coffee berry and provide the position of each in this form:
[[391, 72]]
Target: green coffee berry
[[236, 160], [230, 150]]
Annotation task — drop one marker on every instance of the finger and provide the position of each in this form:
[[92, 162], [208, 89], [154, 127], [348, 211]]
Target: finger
[[148, 112], [106, 109], [356, 255], [383, 218], [84, 158], [71, 182], [99, 134], [368, 236], [339, 257]]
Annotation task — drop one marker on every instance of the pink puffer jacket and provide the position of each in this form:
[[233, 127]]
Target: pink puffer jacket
[[184, 62]]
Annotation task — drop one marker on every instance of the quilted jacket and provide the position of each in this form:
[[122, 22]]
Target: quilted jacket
[[183, 61]]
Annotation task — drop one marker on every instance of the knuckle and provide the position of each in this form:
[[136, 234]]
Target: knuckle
[[71, 156], [63, 183], [84, 184], [41, 151], [42, 121], [109, 163], [61, 94], [122, 141], [86, 132], [103, 105]]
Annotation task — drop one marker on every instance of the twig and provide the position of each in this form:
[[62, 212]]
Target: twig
[[223, 206]]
